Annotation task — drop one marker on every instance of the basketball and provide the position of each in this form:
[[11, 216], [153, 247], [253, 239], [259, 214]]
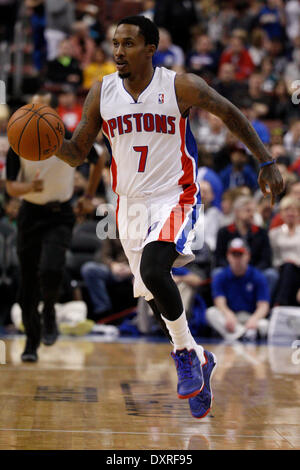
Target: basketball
[[35, 132]]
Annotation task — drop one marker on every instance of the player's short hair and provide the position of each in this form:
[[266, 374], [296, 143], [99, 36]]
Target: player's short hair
[[147, 28]]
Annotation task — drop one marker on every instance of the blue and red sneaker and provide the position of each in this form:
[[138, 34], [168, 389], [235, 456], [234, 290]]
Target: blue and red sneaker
[[200, 404], [189, 371]]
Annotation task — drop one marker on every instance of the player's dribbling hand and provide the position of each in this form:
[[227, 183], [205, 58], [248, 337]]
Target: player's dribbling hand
[[37, 183], [271, 176]]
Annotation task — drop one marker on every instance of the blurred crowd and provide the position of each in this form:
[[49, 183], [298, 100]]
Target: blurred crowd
[[249, 51]]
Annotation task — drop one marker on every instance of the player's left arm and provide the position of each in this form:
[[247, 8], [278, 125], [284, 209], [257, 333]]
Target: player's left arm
[[192, 90]]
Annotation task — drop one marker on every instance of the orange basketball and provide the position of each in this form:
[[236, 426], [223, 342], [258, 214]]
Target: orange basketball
[[35, 132]]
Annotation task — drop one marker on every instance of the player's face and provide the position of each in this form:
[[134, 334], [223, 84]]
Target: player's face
[[130, 52]]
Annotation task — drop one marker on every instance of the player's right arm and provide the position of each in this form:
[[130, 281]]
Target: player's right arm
[[192, 90], [75, 150]]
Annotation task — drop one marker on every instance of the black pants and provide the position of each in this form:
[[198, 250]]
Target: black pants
[[44, 234], [289, 283]]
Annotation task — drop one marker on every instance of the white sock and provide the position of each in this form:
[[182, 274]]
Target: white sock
[[181, 336]]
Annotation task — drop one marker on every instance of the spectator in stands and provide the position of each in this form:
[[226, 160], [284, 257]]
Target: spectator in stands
[[289, 178], [256, 94], [8, 15], [268, 75], [238, 173], [148, 9], [292, 15], [207, 174], [107, 44], [187, 282], [202, 58], [90, 15], [243, 227], [226, 84], [264, 212], [295, 168], [222, 158], [212, 215], [212, 134], [282, 105], [38, 24], [177, 17], [69, 109], [168, 54], [241, 296], [253, 113], [83, 46], [294, 192], [97, 69], [60, 15], [291, 141], [228, 199], [285, 242], [271, 19], [275, 48], [292, 71], [256, 49], [113, 268], [256, 238], [243, 18], [238, 55], [64, 70]]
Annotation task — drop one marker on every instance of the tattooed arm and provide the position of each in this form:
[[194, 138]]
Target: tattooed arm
[[75, 150], [191, 91]]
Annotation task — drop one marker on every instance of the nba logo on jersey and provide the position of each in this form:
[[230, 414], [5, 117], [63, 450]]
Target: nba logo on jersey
[[161, 98]]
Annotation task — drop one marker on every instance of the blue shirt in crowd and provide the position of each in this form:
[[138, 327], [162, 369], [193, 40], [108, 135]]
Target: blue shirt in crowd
[[262, 131], [242, 293], [207, 174], [269, 19], [234, 179]]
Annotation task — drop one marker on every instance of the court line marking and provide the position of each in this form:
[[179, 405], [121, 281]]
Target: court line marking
[[107, 431]]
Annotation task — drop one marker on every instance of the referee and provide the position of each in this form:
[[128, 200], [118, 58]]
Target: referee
[[45, 225]]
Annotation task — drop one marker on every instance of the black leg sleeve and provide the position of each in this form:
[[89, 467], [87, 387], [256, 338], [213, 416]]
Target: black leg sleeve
[[156, 263]]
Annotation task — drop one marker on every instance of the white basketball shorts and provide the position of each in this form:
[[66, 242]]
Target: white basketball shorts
[[172, 217]]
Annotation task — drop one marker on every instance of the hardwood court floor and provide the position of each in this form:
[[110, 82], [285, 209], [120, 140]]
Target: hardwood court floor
[[116, 396]]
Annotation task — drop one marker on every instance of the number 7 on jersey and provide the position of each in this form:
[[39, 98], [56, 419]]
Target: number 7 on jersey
[[143, 157]]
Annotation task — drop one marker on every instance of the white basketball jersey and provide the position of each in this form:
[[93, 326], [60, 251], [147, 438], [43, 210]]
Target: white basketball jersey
[[152, 147]]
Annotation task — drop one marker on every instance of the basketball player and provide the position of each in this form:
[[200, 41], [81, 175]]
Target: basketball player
[[144, 117], [45, 224]]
